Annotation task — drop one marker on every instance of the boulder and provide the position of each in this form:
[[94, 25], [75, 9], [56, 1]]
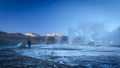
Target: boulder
[[22, 45]]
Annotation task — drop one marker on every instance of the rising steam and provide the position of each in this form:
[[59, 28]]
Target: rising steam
[[94, 32]]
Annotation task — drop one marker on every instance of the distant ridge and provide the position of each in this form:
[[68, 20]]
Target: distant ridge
[[18, 34], [32, 34], [13, 38]]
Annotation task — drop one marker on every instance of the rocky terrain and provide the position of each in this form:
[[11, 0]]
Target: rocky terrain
[[60, 56], [76, 55], [10, 59]]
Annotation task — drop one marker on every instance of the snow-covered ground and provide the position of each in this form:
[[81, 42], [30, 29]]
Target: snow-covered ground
[[73, 54]]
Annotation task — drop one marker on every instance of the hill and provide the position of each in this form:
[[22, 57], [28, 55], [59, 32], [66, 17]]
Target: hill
[[10, 38]]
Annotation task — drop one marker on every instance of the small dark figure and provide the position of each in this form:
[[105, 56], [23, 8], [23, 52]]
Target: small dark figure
[[29, 43]]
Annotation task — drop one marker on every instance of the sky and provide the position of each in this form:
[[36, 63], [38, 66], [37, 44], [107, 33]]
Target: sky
[[56, 16]]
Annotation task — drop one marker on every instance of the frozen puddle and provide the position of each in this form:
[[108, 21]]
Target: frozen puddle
[[73, 54]]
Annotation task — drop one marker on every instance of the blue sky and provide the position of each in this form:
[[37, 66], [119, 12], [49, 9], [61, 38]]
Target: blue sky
[[56, 16]]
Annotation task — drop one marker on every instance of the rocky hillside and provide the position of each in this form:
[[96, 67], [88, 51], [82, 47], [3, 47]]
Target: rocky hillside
[[15, 38]]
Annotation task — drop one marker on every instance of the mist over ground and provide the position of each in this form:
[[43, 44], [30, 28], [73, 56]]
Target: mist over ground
[[98, 33]]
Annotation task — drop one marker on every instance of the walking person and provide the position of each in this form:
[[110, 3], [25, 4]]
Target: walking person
[[29, 44]]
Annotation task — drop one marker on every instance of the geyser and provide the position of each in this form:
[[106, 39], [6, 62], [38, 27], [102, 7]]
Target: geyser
[[97, 33]]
